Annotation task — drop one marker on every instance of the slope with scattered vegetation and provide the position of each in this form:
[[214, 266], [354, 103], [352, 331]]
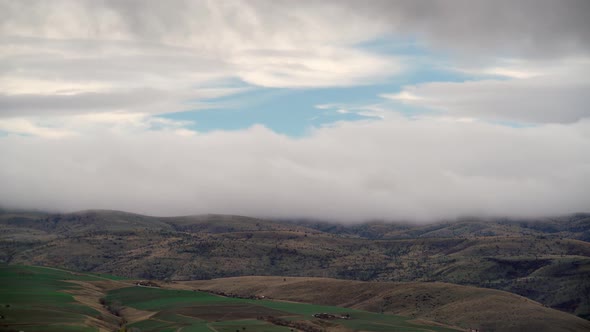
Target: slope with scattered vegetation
[[465, 306], [545, 260], [48, 299]]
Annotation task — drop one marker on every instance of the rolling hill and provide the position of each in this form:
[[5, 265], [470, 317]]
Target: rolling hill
[[51, 300], [464, 306], [546, 260]]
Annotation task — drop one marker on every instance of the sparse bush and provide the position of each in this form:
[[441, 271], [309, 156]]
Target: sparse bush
[[115, 308]]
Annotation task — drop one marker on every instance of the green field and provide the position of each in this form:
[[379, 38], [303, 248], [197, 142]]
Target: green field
[[33, 299], [37, 299], [198, 311]]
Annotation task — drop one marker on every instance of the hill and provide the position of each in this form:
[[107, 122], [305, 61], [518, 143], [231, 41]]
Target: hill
[[546, 260], [48, 299], [484, 309]]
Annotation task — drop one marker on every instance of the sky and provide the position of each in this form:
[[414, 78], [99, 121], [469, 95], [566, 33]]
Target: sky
[[337, 110]]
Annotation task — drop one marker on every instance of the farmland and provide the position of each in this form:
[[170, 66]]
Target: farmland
[[486, 309], [531, 258], [46, 299], [449, 272], [198, 311], [41, 299]]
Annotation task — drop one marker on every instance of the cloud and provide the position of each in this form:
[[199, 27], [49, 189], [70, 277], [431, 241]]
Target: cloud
[[126, 55], [72, 57], [396, 168], [91, 123], [321, 67], [510, 28], [536, 94], [57, 77], [82, 85], [26, 127]]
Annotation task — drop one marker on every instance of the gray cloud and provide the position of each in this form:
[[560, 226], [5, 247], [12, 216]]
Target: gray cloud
[[27, 105], [394, 168], [58, 57], [97, 66], [180, 50], [41, 77], [536, 28], [510, 28], [527, 101]]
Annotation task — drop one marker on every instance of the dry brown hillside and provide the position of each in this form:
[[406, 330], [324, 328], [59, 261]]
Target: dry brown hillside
[[546, 260], [485, 309]]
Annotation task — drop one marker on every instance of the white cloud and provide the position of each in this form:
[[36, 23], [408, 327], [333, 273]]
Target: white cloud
[[57, 77], [319, 67], [394, 168], [71, 57], [19, 85], [26, 127], [91, 123], [534, 94], [82, 82], [86, 56]]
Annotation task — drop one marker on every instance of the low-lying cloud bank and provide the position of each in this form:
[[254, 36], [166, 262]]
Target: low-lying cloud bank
[[396, 168]]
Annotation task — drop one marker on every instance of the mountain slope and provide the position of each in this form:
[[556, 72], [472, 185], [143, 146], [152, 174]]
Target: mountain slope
[[545, 262], [485, 309]]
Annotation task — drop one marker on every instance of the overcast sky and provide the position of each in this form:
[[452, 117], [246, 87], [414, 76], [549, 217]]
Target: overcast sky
[[340, 110]]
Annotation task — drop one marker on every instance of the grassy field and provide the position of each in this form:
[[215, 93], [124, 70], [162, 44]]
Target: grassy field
[[48, 299], [198, 311], [36, 299], [486, 309]]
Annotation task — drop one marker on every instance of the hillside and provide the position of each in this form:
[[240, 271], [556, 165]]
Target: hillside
[[47, 299], [53, 300], [484, 309], [576, 226], [546, 260]]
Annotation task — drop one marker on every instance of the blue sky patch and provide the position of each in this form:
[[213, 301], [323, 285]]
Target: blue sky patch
[[293, 111]]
